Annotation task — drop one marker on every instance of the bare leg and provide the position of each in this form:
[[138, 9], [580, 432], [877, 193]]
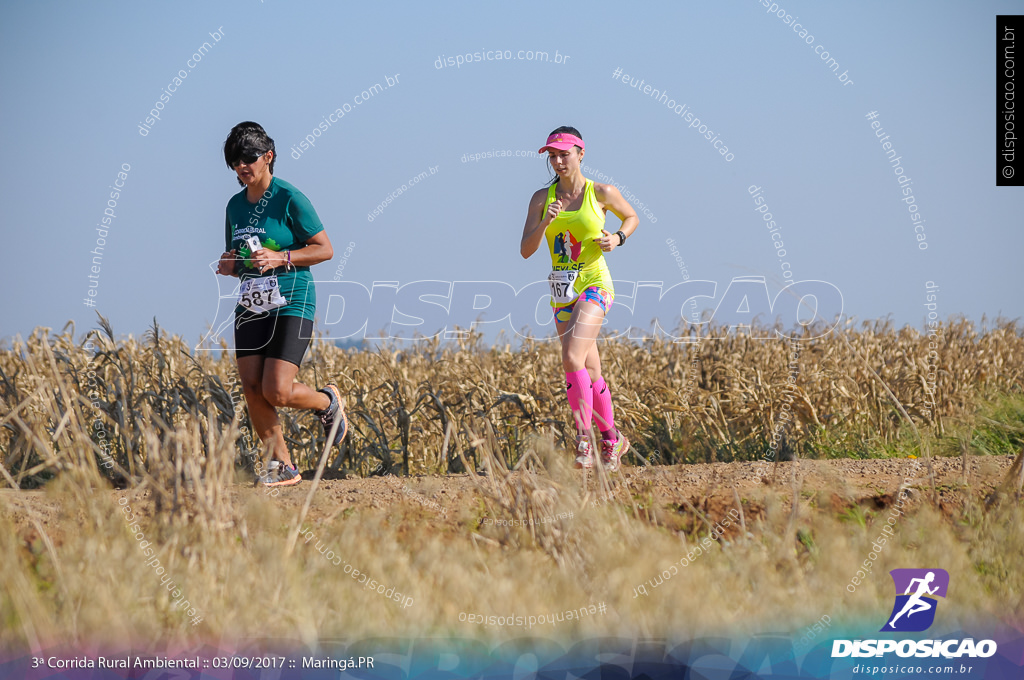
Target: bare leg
[[268, 383], [578, 336], [280, 388]]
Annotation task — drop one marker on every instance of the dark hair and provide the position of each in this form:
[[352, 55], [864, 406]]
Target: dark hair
[[568, 129], [248, 139]]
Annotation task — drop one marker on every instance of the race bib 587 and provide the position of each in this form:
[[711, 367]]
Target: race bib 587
[[261, 295]]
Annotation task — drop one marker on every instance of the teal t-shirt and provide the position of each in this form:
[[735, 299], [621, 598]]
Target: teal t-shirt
[[283, 219]]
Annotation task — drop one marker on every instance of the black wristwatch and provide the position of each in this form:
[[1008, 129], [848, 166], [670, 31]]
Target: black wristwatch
[[622, 237]]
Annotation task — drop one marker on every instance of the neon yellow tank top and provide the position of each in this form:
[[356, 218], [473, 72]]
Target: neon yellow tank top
[[570, 238]]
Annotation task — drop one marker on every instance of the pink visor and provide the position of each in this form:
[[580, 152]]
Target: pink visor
[[562, 141]]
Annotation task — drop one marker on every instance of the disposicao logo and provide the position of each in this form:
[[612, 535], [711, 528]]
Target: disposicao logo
[[913, 611]]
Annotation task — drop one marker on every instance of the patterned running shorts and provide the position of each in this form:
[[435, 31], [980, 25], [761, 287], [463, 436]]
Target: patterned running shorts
[[601, 298]]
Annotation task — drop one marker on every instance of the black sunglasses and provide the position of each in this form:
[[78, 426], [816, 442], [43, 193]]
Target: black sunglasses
[[248, 158]]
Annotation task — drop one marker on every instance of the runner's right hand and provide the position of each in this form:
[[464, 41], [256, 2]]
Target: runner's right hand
[[226, 266], [553, 210]]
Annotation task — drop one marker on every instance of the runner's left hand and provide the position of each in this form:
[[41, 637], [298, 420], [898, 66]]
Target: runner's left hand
[[266, 260], [608, 241]]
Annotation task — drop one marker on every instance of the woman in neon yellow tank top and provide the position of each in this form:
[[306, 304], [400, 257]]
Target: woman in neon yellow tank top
[[568, 216]]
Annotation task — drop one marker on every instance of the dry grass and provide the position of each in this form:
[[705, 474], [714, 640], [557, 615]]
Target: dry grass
[[175, 429], [403, 400], [92, 584]]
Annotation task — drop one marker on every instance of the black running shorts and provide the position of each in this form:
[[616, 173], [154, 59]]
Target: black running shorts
[[273, 337]]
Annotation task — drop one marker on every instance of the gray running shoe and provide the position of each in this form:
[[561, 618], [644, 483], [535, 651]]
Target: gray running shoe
[[280, 475], [333, 412]]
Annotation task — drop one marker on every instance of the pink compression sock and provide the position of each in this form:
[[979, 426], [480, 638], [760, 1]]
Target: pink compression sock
[[580, 392], [603, 410]]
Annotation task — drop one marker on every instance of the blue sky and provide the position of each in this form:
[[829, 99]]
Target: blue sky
[[78, 79]]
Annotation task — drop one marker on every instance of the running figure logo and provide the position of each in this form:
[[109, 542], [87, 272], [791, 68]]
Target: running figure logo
[[567, 247], [914, 610]]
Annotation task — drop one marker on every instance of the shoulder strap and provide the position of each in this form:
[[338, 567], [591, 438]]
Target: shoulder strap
[[591, 195], [551, 199]]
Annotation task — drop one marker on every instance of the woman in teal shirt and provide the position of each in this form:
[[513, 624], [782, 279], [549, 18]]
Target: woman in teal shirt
[[272, 237]]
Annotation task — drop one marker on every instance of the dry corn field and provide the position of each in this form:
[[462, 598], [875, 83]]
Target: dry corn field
[[453, 488]]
